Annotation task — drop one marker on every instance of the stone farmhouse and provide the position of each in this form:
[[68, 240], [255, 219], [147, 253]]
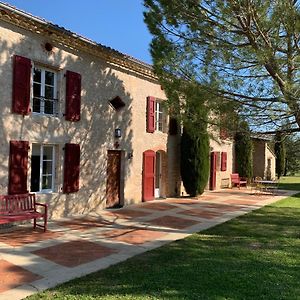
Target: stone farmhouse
[[264, 159], [83, 125]]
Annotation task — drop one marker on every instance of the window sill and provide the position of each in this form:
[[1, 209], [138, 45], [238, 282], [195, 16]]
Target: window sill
[[160, 132], [44, 192], [45, 115]]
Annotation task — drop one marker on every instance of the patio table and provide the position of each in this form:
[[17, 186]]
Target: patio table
[[268, 185]]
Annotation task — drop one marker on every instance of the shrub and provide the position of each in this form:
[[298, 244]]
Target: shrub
[[194, 160], [243, 152]]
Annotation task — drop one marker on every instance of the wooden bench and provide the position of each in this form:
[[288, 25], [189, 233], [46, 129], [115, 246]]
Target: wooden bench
[[15, 208], [236, 180]]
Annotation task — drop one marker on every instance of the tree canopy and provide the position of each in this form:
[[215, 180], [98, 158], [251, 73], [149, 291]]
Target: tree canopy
[[245, 54]]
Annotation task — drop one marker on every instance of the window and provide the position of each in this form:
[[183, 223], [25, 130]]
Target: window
[[223, 161], [117, 103], [44, 91], [159, 117], [42, 168]]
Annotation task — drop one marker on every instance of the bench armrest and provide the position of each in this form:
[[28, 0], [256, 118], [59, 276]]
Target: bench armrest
[[43, 205]]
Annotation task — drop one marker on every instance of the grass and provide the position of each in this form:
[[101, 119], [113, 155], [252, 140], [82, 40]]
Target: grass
[[290, 183], [256, 256]]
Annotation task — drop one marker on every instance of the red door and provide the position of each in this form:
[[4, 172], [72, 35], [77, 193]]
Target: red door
[[148, 175], [213, 170], [113, 183]]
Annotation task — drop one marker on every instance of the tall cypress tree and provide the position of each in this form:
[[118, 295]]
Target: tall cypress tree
[[194, 161], [280, 153], [195, 142], [243, 151]]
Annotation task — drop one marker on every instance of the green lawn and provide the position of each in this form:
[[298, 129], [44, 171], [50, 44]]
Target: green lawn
[[290, 183], [256, 256]]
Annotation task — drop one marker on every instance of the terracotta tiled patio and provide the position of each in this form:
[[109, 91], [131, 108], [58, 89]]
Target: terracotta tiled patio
[[32, 260]]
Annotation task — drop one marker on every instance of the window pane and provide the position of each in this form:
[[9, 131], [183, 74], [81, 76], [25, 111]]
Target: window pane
[[47, 167], [47, 152], [36, 105], [41, 179], [44, 86], [36, 90], [49, 92], [49, 78], [49, 107], [47, 183], [37, 75], [160, 122], [35, 169]]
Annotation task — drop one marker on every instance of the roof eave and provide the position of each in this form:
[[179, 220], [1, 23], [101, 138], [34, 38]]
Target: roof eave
[[59, 34]]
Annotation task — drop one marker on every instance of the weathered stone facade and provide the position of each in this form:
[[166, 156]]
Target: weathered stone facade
[[105, 74], [263, 160]]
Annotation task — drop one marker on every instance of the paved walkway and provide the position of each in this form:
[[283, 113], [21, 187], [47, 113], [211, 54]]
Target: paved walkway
[[32, 261]]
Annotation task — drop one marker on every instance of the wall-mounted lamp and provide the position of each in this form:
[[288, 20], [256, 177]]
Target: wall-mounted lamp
[[130, 154], [118, 133]]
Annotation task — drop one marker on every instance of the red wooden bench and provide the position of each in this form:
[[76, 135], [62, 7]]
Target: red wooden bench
[[14, 208], [236, 180]]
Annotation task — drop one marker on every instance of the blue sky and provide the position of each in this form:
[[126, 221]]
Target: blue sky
[[114, 23]]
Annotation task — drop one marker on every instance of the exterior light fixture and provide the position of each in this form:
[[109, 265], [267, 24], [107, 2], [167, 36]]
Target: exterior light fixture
[[118, 133], [130, 154]]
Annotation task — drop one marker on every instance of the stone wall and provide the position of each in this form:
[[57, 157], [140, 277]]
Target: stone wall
[[101, 82]]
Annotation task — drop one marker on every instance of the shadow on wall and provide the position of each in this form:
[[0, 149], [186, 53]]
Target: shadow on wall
[[94, 132]]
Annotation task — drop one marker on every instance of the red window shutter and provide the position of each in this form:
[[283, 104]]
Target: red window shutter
[[71, 168], [18, 166], [21, 85], [73, 96], [148, 175], [150, 114], [213, 170], [224, 161]]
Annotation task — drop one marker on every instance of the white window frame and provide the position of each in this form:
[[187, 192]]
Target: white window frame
[[41, 146], [43, 84], [160, 111]]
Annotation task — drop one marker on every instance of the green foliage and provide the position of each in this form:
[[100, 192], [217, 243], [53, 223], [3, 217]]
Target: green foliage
[[194, 140], [243, 152], [194, 161], [241, 54], [292, 146], [279, 148]]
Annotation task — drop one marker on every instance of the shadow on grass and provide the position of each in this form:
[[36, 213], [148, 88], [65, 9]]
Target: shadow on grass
[[289, 186], [255, 256]]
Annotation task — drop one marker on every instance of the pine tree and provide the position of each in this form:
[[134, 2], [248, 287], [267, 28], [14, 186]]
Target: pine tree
[[243, 52]]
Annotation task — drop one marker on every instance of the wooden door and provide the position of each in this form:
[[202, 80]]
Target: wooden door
[[113, 184], [213, 171], [148, 175]]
